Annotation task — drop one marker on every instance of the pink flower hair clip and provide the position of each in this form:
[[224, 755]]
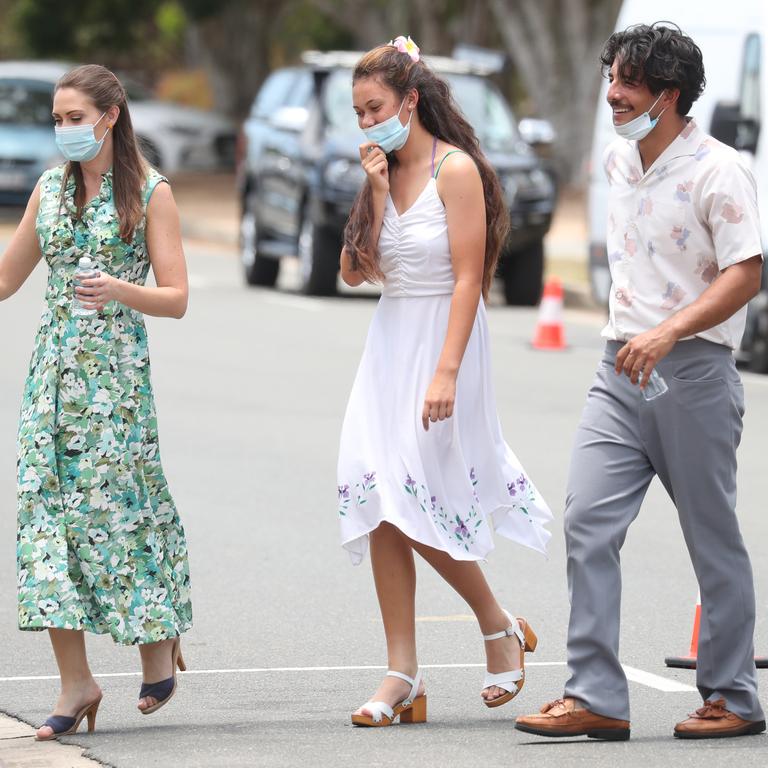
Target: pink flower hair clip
[[406, 45]]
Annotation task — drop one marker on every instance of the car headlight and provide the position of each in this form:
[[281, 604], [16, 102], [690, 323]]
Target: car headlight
[[344, 174]]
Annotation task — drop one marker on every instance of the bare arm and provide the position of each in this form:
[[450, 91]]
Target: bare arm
[[461, 190], [23, 252], [733, 288], [374, 164], [170, 297]]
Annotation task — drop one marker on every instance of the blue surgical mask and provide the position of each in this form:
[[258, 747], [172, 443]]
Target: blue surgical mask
[[78, 143], [390, 134], [641, 126]]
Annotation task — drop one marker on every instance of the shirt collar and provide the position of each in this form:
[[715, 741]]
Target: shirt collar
[[685, 144]]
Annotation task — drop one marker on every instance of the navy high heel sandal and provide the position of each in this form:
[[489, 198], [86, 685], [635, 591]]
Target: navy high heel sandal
[[62, 725], [163, 691]]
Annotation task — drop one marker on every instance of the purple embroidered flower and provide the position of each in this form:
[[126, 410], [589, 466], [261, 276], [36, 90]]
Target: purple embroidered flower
[[433, 500], [472, 474], [369, 477], [522, 482], [511, 488], [343, 491], [461, 530], [410, 482]]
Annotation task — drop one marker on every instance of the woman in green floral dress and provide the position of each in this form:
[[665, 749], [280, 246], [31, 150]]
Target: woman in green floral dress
[[100, 545]]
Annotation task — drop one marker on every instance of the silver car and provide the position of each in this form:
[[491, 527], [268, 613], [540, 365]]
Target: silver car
[[173, 137]]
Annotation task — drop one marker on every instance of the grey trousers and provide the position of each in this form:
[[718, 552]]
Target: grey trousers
[[688, 437]]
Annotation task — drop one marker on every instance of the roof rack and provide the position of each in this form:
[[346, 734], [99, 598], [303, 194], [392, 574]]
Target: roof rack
[[348, 59]]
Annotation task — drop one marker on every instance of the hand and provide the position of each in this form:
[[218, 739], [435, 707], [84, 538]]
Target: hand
[[441, 395], [97, 292], [640, 355], [375, 165]]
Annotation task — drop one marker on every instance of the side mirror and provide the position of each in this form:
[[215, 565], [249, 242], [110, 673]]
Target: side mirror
[[292, 119], [732, 128], [536, 132]]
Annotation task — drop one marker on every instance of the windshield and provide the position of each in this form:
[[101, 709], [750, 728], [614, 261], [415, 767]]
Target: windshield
[[26, 102], [478, 99]]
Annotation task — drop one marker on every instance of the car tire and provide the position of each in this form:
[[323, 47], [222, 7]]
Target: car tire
[[319, 258], [522, 274], [150, 152], [758, 357], [258, 270]]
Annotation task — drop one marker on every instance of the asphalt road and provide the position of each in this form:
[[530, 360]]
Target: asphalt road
[[251, 388]]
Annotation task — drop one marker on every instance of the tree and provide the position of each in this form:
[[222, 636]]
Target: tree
[[239, 41], [555, 46]]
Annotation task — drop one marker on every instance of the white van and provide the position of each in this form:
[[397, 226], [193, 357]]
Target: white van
[[732, 37]]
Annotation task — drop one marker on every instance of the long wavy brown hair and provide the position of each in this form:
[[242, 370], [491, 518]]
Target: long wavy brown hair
[[129, 168], [440, 116]]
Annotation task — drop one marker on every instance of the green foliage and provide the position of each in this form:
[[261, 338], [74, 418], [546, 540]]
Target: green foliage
[[304, 27], [171, 22], [199, 10], [51, 28]]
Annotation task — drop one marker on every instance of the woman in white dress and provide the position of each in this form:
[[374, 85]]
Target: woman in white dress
[[423, 465]]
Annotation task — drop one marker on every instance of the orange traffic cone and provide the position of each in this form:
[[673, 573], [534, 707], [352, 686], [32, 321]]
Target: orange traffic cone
[[550, 333], [689, 661]]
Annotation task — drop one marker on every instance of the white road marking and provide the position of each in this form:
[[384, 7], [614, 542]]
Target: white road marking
[[656, 681], [635, 675]]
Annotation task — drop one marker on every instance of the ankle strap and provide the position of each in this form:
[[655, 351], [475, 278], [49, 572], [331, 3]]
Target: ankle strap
[[412, 681], [513, 630]]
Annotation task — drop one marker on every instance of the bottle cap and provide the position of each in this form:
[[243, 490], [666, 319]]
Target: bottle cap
[[85, 262]]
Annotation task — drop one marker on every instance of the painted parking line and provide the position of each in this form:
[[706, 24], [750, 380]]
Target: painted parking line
[[635, 675], [657, 681]]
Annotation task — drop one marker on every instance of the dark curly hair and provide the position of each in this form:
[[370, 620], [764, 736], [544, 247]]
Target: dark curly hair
[[659, 55]]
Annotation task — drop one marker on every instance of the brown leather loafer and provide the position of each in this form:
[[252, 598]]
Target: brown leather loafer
[[562, 718], [714, 721]]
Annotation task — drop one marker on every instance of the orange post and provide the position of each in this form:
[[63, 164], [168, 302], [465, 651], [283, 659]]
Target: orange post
[[550, 333], [689, 661]]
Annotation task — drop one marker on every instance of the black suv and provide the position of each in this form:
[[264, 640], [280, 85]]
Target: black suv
[[299, 171]]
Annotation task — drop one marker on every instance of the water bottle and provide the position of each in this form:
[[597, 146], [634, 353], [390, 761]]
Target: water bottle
[[655, 386], [85, 269]]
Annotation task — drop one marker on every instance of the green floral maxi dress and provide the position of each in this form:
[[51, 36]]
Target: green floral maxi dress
[[100, 546]]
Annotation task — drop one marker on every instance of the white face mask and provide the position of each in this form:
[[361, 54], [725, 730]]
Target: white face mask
[[641, 126], [78, 143]]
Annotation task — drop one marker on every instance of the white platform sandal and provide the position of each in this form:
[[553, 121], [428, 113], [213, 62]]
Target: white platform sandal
[[412, 709], [512, 682]]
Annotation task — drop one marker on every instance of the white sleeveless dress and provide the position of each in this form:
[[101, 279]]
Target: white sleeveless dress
[[446, 487]]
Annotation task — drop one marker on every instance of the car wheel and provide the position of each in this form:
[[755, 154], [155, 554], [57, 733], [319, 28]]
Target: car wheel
[[523, 275], [258, 270], [758, 358], [150, 151], [319, 258]]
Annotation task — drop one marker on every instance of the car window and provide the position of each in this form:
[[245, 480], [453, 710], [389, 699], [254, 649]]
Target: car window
[[26, 102], [481, 103], [301, 90], [487, 111], [337, 100], [750, 78], [275, 92]]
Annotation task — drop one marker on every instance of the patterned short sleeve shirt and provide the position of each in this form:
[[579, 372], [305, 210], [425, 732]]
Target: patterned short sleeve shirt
[[673, 228]]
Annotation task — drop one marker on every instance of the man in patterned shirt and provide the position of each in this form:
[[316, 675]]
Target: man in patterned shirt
[[685, 256]]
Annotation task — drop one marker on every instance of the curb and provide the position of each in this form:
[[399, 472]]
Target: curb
[[198, 230], [19, 749]]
